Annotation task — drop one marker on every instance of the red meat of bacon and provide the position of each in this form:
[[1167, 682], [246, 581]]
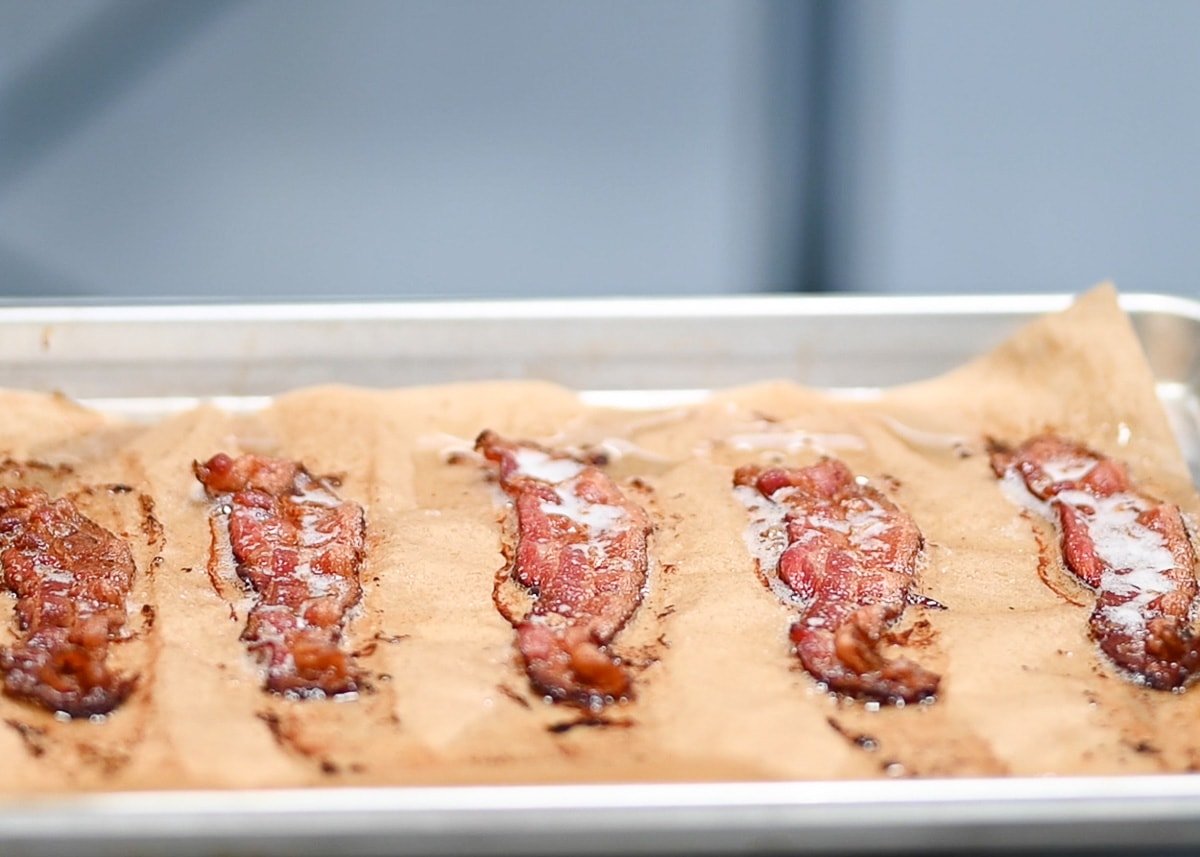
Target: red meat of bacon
[[1132, 549], [850, 555], [581, 552], [300, 549], [71, 578]]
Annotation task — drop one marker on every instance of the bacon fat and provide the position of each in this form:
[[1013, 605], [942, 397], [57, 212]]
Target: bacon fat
[[581, 552], [850, 555], [71, 578], [299, 547], [1132, 549]]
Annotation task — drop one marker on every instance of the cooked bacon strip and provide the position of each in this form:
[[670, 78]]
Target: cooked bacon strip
[[850, 555], [71, 578], [1132, 549], [581, 551], [300, 548]]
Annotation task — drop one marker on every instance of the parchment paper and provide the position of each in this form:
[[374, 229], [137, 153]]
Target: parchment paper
[[719, 694]]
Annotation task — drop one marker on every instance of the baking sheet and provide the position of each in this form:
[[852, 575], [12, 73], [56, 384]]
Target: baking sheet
[[670, 826]]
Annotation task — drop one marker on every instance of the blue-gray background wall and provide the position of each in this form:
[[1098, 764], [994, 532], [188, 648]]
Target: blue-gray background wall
[[271, 148]]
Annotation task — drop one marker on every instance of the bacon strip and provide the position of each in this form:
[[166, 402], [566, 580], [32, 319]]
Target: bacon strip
[[300, 549], [581, 552], [1132, 549], [71, 578], [850, 555]]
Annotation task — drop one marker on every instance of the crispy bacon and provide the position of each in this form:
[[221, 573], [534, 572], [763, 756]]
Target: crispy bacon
[[850, 555], [300, 549], [1132, 549], [581, 552], [71, 578]]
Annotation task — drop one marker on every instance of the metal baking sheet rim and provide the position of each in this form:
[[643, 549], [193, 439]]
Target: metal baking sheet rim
[[817, 816], [216, 351], [811, 816]]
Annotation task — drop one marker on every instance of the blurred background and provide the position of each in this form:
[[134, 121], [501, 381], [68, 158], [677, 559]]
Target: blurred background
[[283, 148]]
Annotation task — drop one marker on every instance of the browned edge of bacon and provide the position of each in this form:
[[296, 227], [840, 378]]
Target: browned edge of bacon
[[299, 548], [581, 553], [850, 555], [72, 578], [1130, 548]]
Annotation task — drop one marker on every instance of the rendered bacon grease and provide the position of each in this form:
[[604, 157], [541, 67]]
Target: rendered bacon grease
[[71, 578], [849, 555], [1133, 550], [300, 549], [581, 552]]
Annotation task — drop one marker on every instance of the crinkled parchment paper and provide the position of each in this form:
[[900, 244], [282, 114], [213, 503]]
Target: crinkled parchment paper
[[719, 694]]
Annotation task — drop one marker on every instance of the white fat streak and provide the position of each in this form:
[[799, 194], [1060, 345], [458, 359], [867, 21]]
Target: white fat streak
[[1013, 486], [54, 574], [448, 445], [562, 473], [311, 537], [616, 448], [837, 525], [793, 441], [1137, 558], [538, 465], [923, 437], [867, 525], [444, 442], [1121, 541], [316, 494], [766, 534], [601, 520], [576, 433], [599, 517], [1143, 586], [318, 584], [1069, 469]]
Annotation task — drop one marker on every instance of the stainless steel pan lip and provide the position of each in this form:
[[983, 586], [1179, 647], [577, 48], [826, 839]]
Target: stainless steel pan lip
[[647, 818], [1135, 790], [213, 350], [590, 308]]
